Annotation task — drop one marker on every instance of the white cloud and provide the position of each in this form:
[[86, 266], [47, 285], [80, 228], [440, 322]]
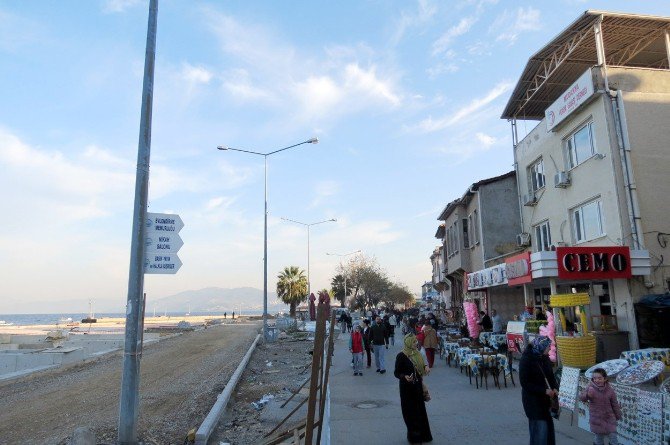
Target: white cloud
[[366, 82], [463, 26], [425, 11], [328, 87], [485, 139], [239, 85], [466, 112], [325, 189], [196, 74], [509, 25], [442, 68], [112, 6]]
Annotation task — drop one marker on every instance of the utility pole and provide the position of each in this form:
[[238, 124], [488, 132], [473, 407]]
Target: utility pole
[[130, 381]]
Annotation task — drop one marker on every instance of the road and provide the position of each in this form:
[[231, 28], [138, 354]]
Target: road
[[367, 409], [180, 379]]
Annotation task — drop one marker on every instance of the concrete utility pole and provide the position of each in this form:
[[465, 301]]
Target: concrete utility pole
[[130, 382]]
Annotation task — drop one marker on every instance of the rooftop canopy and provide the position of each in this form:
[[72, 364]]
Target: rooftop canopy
[[630, 40]]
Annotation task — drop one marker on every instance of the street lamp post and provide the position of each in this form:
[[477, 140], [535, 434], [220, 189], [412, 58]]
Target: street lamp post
[[265, 221], [344, 274], [308, 225]]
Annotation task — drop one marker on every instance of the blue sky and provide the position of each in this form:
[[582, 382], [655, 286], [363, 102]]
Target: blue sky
[[404, 96]]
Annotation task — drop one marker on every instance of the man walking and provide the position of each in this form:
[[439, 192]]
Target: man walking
[[379, 343], [392, 324], [367, 337]]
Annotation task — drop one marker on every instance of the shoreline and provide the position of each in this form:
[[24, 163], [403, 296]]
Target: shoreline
[[118, 324]]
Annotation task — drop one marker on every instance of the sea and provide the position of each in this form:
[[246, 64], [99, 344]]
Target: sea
[[53, 319]]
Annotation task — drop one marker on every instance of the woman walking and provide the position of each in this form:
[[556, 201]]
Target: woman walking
[[538, 386], [430, 343], [409, 370]]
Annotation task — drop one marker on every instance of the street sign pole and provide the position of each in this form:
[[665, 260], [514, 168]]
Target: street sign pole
[[130, 381]]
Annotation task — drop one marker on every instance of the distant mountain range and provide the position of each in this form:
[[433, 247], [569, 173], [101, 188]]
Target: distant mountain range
[[217, 299], [209, 299]]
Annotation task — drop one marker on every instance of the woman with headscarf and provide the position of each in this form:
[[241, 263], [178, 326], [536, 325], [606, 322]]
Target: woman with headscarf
[[409, 370], [538, 385]]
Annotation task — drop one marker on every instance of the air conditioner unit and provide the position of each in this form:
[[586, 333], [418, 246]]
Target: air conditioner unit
[[562, 179], [529, 200], [523, 239]]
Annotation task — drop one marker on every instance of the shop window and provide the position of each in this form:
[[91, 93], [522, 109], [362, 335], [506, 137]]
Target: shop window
[[542, 236], [536, 175], [587, 221], [580, 145]]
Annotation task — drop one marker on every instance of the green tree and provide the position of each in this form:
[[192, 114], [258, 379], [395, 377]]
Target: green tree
[[337, 289], [292, 287]]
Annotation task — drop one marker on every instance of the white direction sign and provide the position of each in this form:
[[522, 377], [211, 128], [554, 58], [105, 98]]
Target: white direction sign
[[161, 263], [162, 242]]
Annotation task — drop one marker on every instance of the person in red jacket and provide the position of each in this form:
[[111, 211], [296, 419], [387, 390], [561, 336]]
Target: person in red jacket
[[356, 348], [604, 409]]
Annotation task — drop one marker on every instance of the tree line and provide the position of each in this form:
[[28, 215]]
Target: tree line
[[358, 284]]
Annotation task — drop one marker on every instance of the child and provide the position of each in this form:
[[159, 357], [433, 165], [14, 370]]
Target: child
[[356, 348], [604, 408]]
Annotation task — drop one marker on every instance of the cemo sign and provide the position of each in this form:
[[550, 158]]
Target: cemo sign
[[583, 263]]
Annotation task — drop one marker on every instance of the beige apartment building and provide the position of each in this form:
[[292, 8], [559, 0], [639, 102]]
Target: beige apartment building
[[594, 191]]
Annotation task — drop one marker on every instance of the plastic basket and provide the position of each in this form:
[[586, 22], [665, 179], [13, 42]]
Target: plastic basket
[[568, 300], [577, 352]]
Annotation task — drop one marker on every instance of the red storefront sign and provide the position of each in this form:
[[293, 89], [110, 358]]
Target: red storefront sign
[[584, 263], [518, 269]]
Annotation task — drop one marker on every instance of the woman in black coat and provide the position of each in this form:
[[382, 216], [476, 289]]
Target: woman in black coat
[[534, 367], [409, 370]]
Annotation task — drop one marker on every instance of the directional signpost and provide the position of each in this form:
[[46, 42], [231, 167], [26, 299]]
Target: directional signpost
[[162, 242]]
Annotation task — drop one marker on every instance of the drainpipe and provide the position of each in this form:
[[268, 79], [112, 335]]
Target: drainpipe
[[516, 172]]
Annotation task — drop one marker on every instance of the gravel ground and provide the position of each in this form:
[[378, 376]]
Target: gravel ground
[[242, 424], [180, 380]]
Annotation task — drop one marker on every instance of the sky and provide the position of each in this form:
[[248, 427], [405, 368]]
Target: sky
[[404, 96]]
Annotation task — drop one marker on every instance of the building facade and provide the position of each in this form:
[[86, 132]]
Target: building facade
[[591, 174], [479, 229]]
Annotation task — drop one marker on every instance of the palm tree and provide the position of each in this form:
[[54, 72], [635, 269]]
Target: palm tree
[[292, 287]]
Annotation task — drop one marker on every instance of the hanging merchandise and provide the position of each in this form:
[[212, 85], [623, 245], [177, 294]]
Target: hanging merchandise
[[472, 318], [550, 331]]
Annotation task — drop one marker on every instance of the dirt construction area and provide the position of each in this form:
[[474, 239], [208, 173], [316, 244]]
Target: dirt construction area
[[180, 380]]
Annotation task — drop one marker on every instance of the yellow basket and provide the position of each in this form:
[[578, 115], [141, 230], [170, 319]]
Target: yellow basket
[[577, 352], [568, 300]]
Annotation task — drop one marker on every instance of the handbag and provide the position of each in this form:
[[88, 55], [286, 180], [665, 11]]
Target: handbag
[[424, 387], [426, 394], [555, 408]]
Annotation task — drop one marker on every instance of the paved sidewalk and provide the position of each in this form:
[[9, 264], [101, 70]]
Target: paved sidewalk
[[458, 413]]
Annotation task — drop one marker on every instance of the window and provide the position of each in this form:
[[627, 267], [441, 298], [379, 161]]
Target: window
[[452, 240], [536, 175], [466, 239], [542, 298], [580, 145], [587, 221], [474, 228], [542, 236]]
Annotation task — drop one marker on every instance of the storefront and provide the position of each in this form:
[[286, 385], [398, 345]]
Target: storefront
[[490, 289], [605, 273]]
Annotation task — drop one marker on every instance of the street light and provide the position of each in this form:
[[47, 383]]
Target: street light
[[308, 225], [344, 274], [265, 223]]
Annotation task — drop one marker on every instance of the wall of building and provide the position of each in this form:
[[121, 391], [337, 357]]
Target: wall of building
[[508, 301], [499, 214], [646, 100], [590, 179]]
